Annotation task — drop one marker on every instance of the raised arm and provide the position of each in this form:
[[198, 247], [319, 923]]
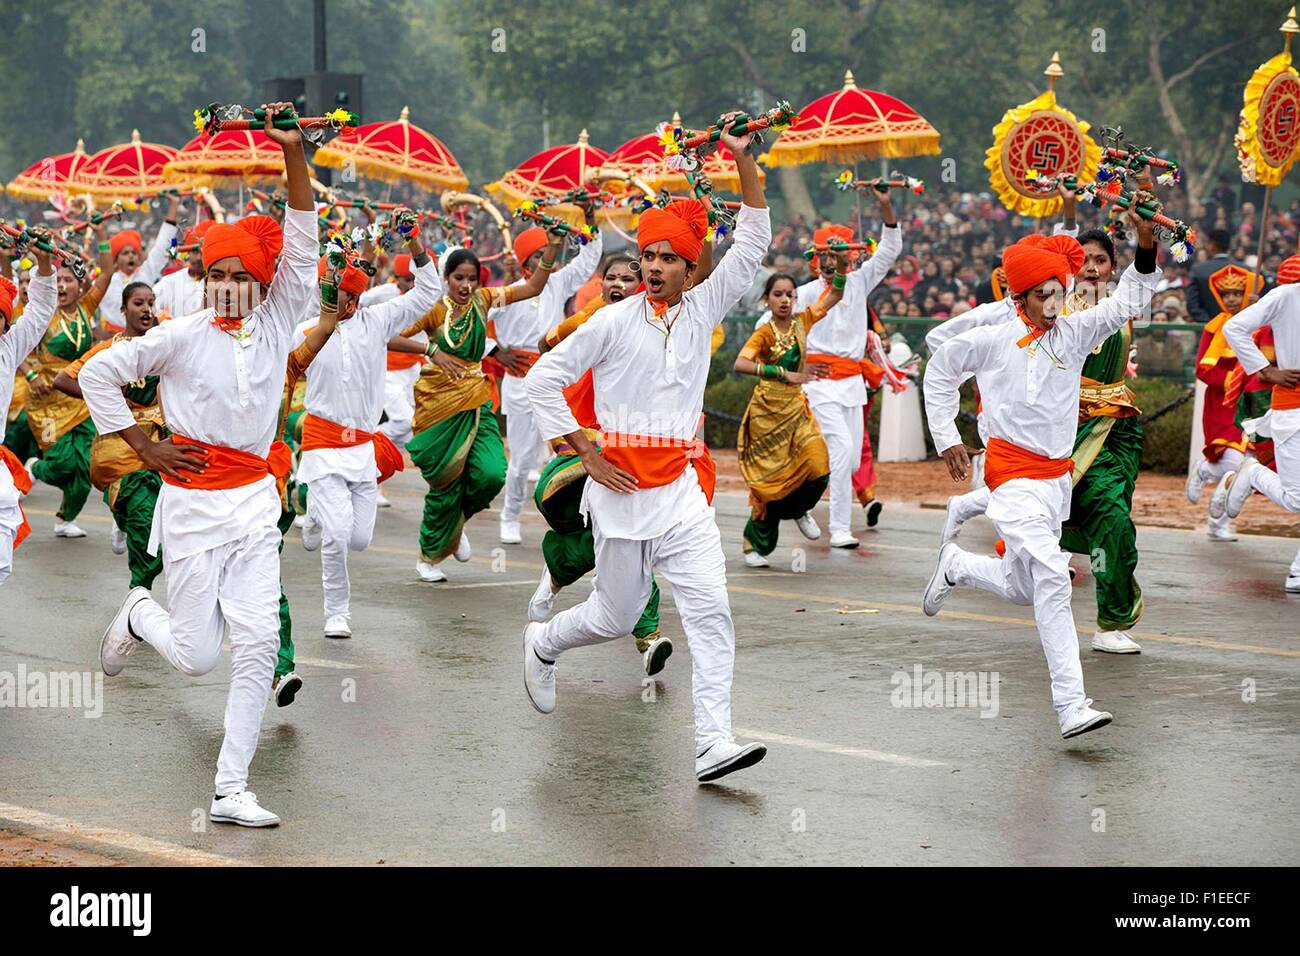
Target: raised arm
[[42, 299], [581, 267], [294, 284], [1132, 295], [874, 270], [151, 269], [535, 283]]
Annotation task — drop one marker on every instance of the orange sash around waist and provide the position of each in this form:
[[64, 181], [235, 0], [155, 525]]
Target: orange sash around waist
[[397, 361], [23, 482], [320, 433], [840, 366], [1004, 461], [655, 461], [1286, 398], [532, 360], [227, 468], [581, 397]]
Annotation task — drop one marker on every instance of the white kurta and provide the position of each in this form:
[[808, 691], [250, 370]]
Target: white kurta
[[178, 294], [15, 345], [345, 381], [649, 380], [149, 272]]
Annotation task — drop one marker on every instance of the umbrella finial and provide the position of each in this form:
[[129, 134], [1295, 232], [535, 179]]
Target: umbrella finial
[[1054, 71], [1289, 29], [406, 115], [677, 118], [582, 137], [81, 145], [135, 136], [848, 80]]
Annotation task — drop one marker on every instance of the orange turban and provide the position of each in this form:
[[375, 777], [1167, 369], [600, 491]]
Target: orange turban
[[195, 233], [826, 234], [127, 237], [1289, 271], [402, 265], [528, 242], [1035, 259], [683, 224], [255, 241], [8, 291], [351, 279]]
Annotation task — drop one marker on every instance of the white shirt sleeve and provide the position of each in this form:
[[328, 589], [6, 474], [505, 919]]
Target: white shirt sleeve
[[377, 294], [294, 283], [154, 264], [25, 334], [400, 311], [1239, 330], [951, 365], [1061, 229], [1130, 299], [877, 267], [110, 306], [102, 377], [558, 369], [734, 273], [989, 313], [581, 268]]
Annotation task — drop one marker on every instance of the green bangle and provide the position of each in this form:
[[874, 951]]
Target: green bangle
[[430, 349], [105, 247], [773, 372], [548, 266], [31, 376], [838, 280]]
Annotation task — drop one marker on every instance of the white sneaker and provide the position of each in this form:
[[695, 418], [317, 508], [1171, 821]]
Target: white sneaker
[[118, 642], [656, 655], [842, 539], [1226, 533], [311, 534], [952, 524], [539, 676], [336, 625], [727, 757], [1194, 483], [1239, 489], [1115, 642], [67, 529], [807, 526], [118, 540], [1082, 718], [937, 591], [381, 501], [241, 808], [463, 551], [543, 599], [873, 509], [1293, 584], [755, 560], [510, 533], [27, 466], [429, 573], [286, 689], [299, 521]]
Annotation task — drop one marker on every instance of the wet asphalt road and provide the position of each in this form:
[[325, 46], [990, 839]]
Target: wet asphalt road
[[414, 741]]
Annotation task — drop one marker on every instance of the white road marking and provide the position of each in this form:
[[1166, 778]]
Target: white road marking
[[120, 839], [901, 760], [319, 662]]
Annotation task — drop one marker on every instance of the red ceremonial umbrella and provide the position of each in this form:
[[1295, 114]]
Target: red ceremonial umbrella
[[396, 150], [552, 172], [125, 171], [227, 158], [48, 177]]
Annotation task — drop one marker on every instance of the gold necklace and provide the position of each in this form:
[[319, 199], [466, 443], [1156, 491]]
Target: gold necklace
[[452, 318], [67, 333]]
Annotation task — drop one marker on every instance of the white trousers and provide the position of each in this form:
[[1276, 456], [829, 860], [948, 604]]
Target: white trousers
[[399, 404], [526, 448], [6, 548], [689, 556], [1028, 514], [345, 512], [1213, 471], [841, 426], [235, 586], [1281, 487]]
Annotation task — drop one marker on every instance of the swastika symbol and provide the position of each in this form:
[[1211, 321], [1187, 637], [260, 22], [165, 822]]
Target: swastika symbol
[[1285, 119], [1045, 154]]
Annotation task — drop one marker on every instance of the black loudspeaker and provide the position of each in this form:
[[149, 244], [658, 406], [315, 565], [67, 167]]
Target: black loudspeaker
[[329, 91], [285, 89]]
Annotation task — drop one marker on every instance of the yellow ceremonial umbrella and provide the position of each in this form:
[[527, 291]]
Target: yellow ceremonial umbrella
[[1044, 137]]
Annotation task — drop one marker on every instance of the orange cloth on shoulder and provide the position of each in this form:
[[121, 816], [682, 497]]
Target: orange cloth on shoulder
[[683, 224], [1035, 259], [255, 241]]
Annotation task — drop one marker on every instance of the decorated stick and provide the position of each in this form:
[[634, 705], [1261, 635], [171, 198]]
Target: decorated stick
[[683, 149], [95, 218], [20, 239], [363, 203], [529, 210], [214, 118], [896, 180], [868, 246]]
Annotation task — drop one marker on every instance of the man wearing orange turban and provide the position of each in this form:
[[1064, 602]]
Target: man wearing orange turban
[[126, 248], [1028, 372], [341, 448], [651, 481], [1246, 331], [518, 327], [222, 372], [837, 344], [16, 342], [181, 292]]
